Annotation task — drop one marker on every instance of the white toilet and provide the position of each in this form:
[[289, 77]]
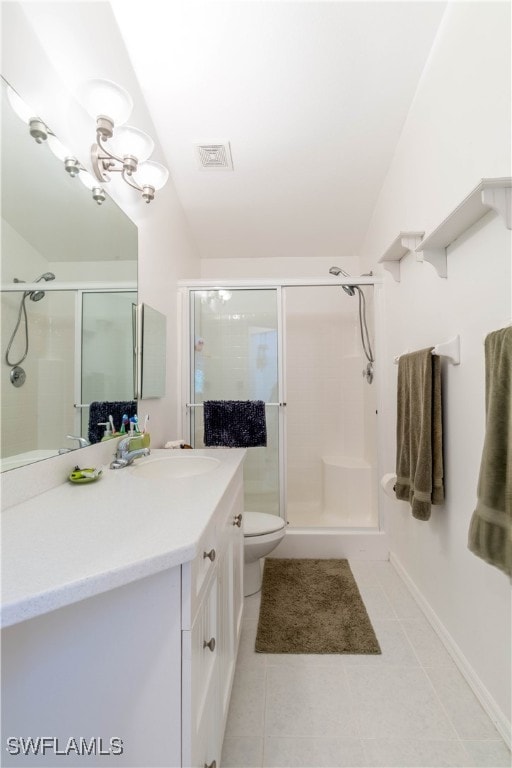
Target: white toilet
[[262, 534]]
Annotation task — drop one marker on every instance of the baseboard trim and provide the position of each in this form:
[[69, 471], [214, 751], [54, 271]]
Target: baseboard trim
[[484, 697]]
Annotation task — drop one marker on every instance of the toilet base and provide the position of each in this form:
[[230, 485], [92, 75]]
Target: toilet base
[[252, 578]]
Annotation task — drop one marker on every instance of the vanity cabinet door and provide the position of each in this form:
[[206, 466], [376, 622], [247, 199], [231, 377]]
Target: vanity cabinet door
[[212, 600], [200, 649], [237, 571], [230, 600]]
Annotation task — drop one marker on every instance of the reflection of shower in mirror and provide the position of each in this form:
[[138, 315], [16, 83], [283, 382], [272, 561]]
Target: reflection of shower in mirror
[[19, 377]]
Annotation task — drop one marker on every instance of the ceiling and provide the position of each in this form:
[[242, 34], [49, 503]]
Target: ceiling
[[312, 97]]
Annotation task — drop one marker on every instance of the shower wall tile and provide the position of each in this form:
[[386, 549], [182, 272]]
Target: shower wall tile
[[325, 399], [38, 414]]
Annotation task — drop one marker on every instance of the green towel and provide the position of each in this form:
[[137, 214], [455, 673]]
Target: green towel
[[419, 436], [490, 531]]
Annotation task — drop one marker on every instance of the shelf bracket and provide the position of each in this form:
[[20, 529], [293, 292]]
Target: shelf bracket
[[393, 267], [500, 200], [436, 257], [404, 243]]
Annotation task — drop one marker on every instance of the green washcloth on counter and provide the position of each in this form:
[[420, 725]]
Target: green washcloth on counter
[[490, 531], [419, 432]]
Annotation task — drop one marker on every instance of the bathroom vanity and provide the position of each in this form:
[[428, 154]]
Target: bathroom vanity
[[121, 608]]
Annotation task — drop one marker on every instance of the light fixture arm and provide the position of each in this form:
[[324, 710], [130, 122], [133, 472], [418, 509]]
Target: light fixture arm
[[148, 192], [104, 161]]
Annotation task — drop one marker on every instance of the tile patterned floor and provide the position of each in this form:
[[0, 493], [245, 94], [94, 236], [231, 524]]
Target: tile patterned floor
[[409, 707]]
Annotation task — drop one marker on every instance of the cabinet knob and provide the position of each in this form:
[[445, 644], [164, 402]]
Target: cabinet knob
[[210, 644], [238, 520], [210, 554], [213, 764]]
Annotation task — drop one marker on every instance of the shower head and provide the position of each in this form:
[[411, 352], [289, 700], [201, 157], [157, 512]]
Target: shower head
[[38, 295], [349, 290]]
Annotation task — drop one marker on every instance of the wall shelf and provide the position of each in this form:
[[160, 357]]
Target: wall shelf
[[490, 194], [400, 247]]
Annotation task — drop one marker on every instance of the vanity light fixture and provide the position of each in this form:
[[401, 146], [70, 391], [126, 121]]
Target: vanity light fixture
[[71, 164], [98, 193], [38, 130], [128, 148], [41, 133]]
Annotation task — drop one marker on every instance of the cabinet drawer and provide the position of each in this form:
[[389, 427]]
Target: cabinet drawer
[[207, 746], [200, 672], [230, 516], [196, 574]]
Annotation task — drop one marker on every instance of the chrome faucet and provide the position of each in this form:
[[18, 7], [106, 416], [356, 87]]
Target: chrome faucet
[[124, 456], [82, 442]]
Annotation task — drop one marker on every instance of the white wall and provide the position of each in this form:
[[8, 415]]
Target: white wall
[[457, 132], [48, 48], [269, 266]]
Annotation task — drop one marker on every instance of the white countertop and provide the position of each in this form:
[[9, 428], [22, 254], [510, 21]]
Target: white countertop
[[76, 541]]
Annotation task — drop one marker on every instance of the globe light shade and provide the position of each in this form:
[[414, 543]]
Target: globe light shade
[[151, 174], [132, 141], [20, 108], [103, 97]]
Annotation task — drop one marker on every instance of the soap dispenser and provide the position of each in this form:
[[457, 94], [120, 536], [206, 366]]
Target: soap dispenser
[[108, 434]]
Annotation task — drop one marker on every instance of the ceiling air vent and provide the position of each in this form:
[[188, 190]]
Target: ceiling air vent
[[214, 157]]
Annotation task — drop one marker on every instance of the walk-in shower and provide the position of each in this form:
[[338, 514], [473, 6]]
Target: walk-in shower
[[78, 348], [296, 345]]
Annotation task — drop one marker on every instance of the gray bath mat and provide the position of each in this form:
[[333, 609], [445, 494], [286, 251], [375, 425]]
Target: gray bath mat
[[312, 606]]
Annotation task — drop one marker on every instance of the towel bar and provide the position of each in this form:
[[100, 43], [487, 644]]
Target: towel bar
[[449, 349], [200, 405]]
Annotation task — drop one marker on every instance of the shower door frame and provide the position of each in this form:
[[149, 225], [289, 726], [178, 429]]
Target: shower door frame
[[104, 287], [186, 343], [186, 358]]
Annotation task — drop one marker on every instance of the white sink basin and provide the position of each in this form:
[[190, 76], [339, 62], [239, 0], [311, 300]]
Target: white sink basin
[[173, 466]]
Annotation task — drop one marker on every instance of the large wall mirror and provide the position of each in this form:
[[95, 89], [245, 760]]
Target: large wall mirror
[[73, 338], [151, 346]]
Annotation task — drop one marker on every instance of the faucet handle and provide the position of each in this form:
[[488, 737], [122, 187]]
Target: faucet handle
[[82, 442]]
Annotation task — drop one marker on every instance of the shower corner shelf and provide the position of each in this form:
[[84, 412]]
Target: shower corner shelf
[[490, 194], [404, 243]]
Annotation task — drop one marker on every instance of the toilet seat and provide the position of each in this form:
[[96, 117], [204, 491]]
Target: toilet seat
[[260, 523]]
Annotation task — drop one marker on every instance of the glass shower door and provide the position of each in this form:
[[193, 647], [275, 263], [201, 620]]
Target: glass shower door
[[234, 336], [107, 365]]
